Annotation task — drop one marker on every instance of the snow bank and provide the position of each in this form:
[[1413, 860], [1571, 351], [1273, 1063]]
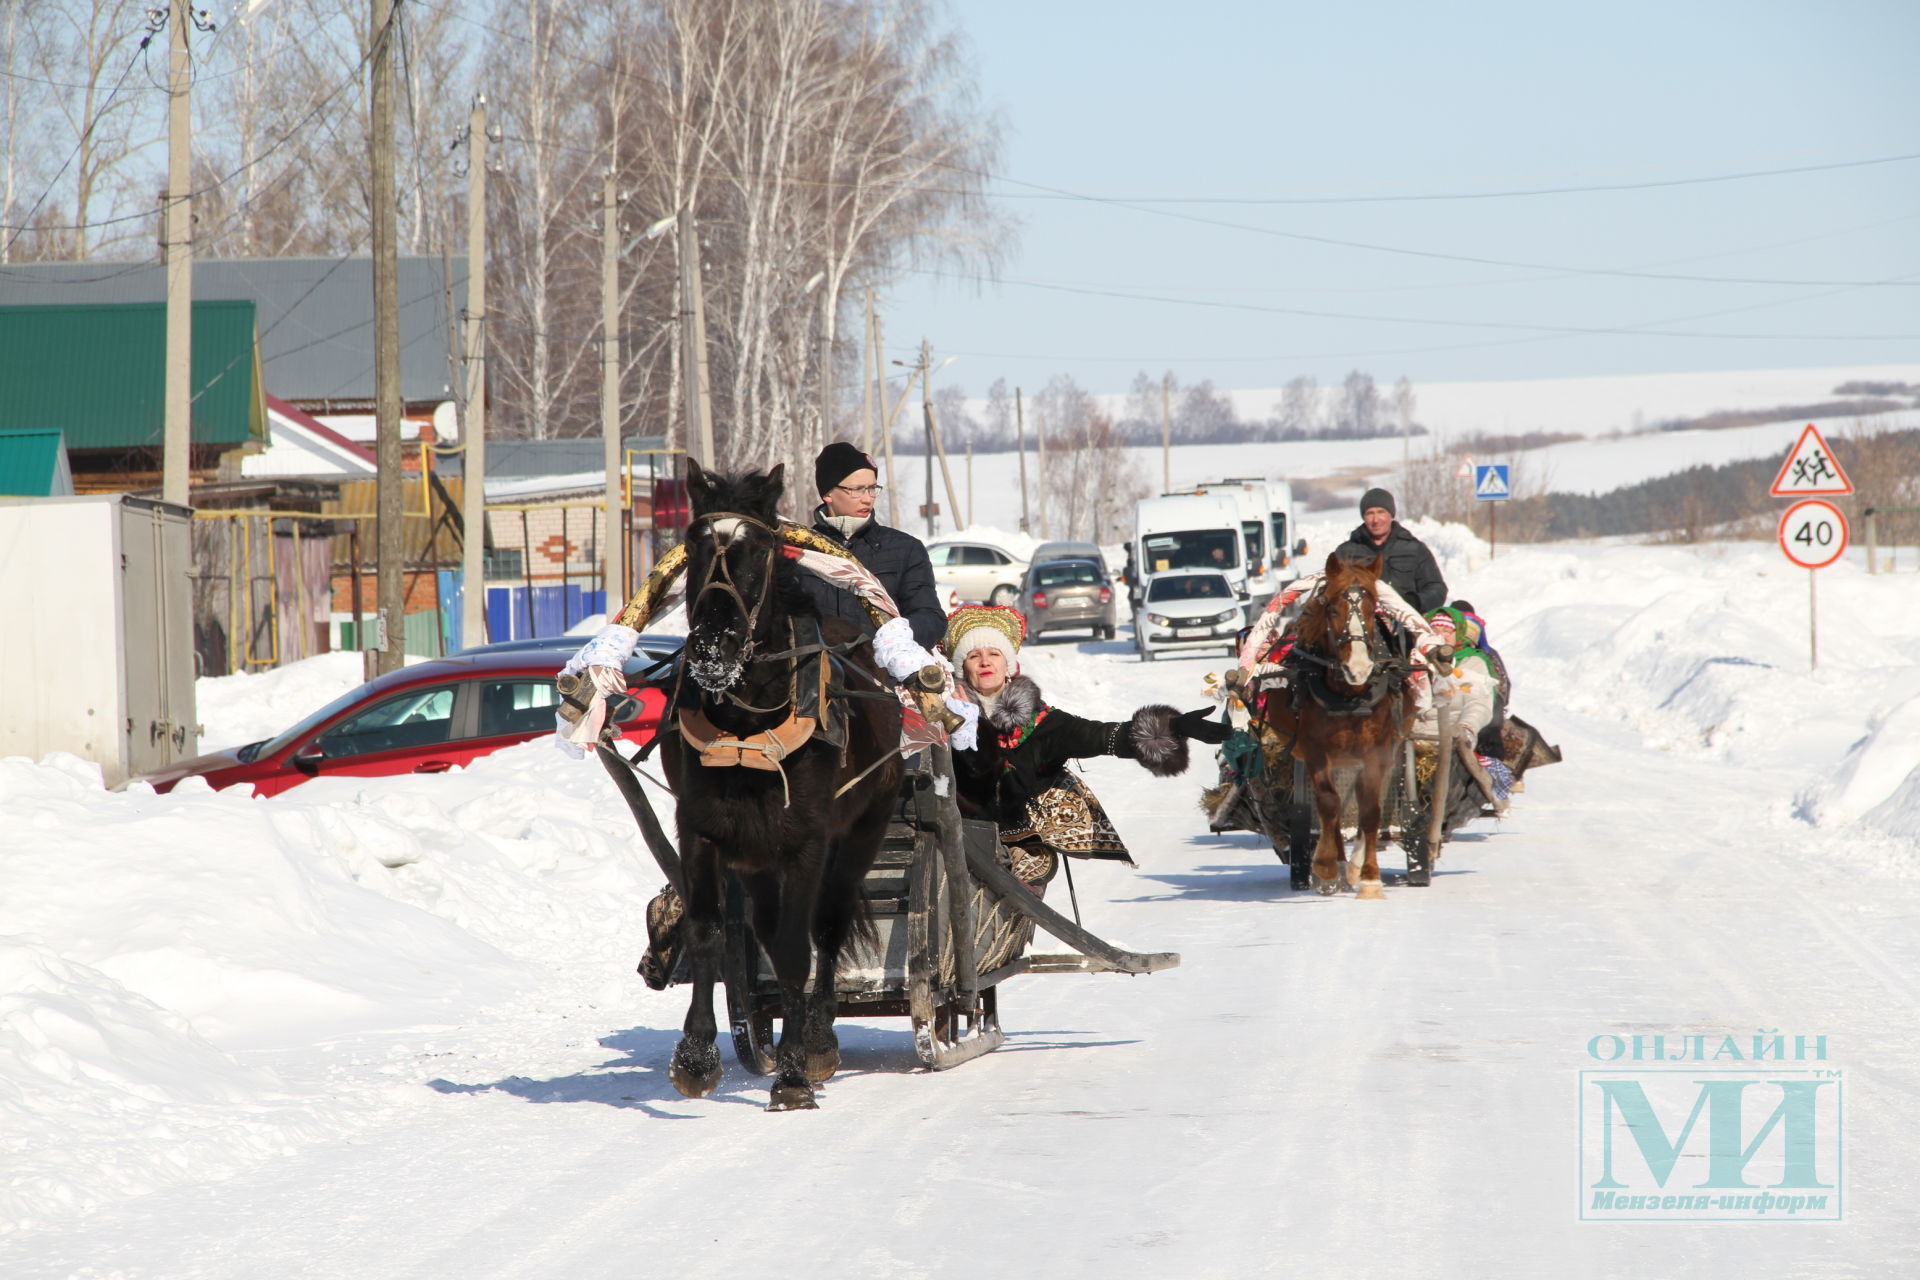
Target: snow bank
[[150, 945], [1707, 650], [1878, 782]]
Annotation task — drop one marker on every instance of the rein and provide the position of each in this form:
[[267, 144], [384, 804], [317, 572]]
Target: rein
[[767, 749], [1389, 673]]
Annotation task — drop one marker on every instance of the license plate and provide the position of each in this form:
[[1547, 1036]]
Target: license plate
[[1191, 633]]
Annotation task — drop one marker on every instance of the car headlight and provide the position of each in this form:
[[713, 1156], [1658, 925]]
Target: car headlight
[[1159, 620], [1230, 615]]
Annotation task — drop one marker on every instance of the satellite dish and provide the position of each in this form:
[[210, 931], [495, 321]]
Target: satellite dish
[[446, 422]]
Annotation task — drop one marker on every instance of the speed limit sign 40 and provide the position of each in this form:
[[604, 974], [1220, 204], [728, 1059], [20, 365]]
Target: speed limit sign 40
[[1813, 533]]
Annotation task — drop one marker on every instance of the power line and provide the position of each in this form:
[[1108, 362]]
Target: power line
[[1651, 184], [78, 144], [1336, 242], [1447, 324], [350, 79]]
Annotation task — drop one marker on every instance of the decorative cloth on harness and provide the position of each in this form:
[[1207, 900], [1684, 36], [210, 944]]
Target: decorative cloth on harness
[[665, 586]]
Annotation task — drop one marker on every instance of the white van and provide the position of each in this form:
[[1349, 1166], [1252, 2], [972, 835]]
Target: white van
[[1252, 498], [1192, 531], [1287, 544]]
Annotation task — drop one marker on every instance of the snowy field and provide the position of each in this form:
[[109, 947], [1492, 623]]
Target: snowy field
[[1595, 407], [391, 1028]]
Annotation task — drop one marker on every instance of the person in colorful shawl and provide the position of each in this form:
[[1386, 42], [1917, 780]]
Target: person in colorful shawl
[[1017, 775]]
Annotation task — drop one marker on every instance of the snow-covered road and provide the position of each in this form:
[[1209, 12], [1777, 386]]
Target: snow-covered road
[[1324, 1086]]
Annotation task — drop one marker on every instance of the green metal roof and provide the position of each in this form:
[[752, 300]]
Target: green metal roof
[[98, 373], [33, 464]]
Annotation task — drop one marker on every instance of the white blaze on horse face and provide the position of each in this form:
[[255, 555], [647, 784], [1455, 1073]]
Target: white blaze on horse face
[[716, 644]]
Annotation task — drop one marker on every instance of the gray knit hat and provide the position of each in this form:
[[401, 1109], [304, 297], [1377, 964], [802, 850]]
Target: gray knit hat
[[1377, 498]]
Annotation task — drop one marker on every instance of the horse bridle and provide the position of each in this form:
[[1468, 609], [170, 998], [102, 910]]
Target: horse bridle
[[1360, 603], [719, 578]]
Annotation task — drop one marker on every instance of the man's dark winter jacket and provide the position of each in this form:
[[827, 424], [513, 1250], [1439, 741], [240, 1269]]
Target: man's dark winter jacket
[[996, 781], [1410, 567], [900, 561]]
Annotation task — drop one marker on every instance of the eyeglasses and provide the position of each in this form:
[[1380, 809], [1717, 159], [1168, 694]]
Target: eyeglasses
[[863, 491]]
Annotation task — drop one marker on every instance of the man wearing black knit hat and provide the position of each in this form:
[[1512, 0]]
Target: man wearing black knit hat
[[847, 482], [1408, 565]]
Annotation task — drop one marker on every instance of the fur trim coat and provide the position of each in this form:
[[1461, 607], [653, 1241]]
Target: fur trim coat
[[1025, 746]]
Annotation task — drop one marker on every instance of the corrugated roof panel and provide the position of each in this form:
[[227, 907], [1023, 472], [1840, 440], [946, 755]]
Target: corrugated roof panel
[[33, 465], [98, 373], [315, 314]]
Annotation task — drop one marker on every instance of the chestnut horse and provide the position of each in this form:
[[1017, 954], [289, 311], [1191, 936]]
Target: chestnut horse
[[1352, 704], [759, 791]]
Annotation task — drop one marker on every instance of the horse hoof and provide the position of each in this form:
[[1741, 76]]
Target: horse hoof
[[1370, 889], [792, 1097], [1326, 888], [695, 1071], [821, 1064]]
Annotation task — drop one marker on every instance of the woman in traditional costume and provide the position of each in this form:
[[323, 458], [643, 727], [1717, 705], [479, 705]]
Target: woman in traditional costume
[[1017, 774]]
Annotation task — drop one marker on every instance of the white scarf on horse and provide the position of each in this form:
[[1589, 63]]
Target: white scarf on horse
[[1389, 601], [606, 654]]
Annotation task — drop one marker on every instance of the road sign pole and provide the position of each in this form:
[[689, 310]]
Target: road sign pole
[[1813, 621], [1493, 530]]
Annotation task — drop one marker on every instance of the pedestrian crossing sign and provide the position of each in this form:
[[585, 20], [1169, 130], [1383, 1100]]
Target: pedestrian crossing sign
[[1490, 483]]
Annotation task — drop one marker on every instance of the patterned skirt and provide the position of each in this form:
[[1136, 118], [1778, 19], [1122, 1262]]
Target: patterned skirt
[[1067, 818]]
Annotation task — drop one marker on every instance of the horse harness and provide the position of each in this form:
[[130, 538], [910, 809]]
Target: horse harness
[[1390, 671], [816, 703]]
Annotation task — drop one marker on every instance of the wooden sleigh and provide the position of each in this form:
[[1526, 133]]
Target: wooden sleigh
[[952, 922]]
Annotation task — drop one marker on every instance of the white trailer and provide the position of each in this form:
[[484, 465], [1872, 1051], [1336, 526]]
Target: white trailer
[[96, 658], [1192, 531]]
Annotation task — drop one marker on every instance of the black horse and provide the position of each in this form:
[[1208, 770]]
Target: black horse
[[799, 823]]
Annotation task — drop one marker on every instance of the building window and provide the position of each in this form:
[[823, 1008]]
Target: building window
[[505, 562]]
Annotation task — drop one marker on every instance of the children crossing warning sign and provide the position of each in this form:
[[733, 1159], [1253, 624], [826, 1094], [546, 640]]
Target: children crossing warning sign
[[1811, 468]]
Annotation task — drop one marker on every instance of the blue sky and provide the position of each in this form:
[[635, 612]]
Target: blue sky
[[1265, 102]]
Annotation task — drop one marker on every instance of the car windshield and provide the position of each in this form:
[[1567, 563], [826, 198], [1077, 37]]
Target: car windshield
[[1189, 586], [1067, 573], [1192, 549], [1251, 531], [281, 741]]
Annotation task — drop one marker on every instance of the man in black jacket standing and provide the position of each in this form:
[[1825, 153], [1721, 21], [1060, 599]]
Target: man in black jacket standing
[[1409, 566], [846, 480]]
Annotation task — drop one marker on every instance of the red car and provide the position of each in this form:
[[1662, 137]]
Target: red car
[[425, 718]]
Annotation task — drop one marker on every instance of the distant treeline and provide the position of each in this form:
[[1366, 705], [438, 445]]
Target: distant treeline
[[1357, 409], [1726, 418]]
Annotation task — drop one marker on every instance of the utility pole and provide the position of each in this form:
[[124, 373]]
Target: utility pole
[[473, 496], [886, 427], [390, 493], [176, 453], [1020, 447], [615, 539], [1166, 432], [867, 359], [926, 412], [1040, 465], [693, 344], [1406, 439], [826, 361]]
